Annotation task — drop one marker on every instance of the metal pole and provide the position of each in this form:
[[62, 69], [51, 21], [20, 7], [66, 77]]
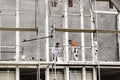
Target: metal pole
[[17, 73], [65, 40], [46, 31], [47, 74], [36, 8], [17, 39], [92, 34], [118, 26], [66, 75], [97, 46], [38, 72], [38, 40], [83, 73], [47, 40], [17, 32], [82, 34], [94, 74], [0, 34]]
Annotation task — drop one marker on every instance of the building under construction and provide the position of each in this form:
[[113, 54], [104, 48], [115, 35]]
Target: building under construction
[[30, 28]]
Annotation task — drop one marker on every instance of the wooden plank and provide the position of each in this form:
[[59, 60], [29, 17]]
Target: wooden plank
[[17, 29], [87, 30]]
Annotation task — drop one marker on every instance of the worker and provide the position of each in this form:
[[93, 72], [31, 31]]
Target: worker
[[56, 51], [73, 50]]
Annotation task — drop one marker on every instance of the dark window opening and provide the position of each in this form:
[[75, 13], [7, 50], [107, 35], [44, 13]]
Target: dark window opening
[[54, 3], [31, 74], [110, 5], [70, 3]]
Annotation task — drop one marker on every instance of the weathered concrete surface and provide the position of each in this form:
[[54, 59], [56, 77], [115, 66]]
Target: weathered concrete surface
[[116, 4], [107, 42]]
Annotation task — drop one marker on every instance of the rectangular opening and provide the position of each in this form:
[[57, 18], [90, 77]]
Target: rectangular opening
[[110, 5], [31, 74], [70, 3], [54, 3]]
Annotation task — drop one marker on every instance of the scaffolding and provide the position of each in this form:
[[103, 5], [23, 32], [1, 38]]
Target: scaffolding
[[50, 32]]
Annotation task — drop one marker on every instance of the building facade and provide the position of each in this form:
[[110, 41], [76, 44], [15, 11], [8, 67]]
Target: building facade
[[29, 29]]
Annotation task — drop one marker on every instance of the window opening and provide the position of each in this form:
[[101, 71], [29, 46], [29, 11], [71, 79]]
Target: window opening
[[54, 3], [110, 5], [70, 3]]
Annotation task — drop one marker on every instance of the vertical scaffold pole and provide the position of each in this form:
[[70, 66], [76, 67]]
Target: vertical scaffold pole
[[17, 32], [82, 39], [96, 41], [38, 35], [46, 31], [92, 34], [17, 73], [47, 75], [17, 39], [92, 41], [46, 40], [0, 32], [94, 74], [84, 73], [118, 25], [66, 57], [82, 34], [66, 75]]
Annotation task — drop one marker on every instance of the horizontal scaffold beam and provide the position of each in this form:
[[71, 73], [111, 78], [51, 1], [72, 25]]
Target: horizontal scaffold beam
[[17, 29], [75, 63], [87, 30]]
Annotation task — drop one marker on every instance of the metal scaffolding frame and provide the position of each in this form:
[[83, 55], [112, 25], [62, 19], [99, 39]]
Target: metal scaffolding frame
[[65, 30]]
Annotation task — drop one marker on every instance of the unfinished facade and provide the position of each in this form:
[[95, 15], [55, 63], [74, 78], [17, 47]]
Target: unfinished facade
[[30, 28]]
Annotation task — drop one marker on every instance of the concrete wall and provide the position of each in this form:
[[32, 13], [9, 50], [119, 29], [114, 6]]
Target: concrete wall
[[27, 20]]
